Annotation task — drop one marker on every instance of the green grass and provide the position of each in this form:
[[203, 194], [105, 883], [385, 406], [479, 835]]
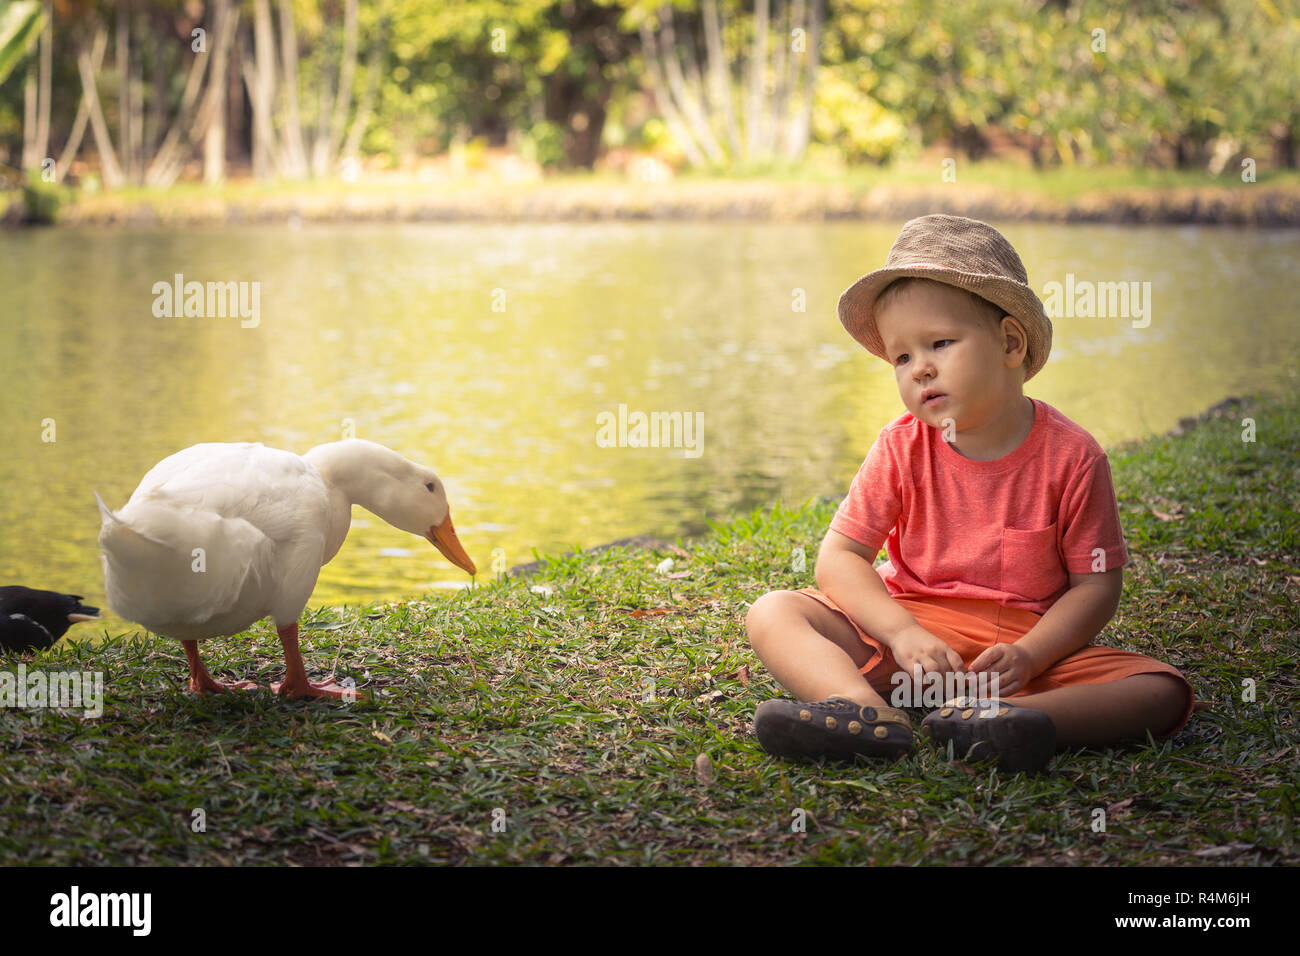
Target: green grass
[[798, 191], [540, 704], [1059, 182]]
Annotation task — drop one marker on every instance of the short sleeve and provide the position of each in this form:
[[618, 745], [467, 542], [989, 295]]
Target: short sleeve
[[1092, 539], [874, 502]]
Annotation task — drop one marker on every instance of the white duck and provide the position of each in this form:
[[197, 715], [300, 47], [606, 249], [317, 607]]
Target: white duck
[[219, 536]]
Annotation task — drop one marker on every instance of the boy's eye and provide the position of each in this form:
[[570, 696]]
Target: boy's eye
[[942, 342], [902, 359]]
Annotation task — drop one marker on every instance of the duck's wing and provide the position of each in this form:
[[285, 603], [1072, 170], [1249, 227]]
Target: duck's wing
[[276, 491], [252, 517], [175, 570]]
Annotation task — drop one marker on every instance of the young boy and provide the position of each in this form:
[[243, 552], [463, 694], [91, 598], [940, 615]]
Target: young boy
[[1000, 523]]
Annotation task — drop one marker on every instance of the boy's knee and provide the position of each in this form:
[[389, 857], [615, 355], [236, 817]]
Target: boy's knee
[[1172, 692], [764, 609], [1167, 696]]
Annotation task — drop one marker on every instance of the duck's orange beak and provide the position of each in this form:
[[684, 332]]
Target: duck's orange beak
[[443, 537]]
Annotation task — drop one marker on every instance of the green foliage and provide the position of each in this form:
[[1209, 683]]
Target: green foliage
[[1081, 82], [854, 121], [1087, 82], [41, 200], [543, 143], [20, 24]]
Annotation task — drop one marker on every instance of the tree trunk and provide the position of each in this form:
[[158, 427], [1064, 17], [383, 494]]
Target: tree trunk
[[29, 159], [122, 61], [190, 124], [160, 171], [155, 119], [352, 145], [720, 76], [776, 119], [347, 73], [799, 129], [135, 102], [103, 141], [650, 51], [687, 101], [214, 136], [42, 144], [83, 112], [1284, 147], [794, 73], [295, 159], [321, 140], [260, 70], [757, 67]]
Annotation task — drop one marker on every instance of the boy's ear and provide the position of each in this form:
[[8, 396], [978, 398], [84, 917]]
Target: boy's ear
[[1015, 343]]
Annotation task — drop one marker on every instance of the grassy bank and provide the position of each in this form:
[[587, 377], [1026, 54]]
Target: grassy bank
[[995, 190], [578, 699]]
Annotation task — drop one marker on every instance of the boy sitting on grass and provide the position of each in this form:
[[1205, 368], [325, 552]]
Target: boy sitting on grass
[[1003, 535]]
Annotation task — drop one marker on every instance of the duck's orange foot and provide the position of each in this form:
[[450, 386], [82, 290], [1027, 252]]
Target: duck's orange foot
[[208, 685], [326, 688]]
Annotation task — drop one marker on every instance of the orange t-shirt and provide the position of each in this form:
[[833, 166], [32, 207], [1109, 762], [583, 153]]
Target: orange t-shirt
[[1006, 530]]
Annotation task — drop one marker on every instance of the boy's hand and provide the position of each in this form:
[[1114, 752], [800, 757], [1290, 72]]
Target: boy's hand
[[916, 646], [1011, 663]]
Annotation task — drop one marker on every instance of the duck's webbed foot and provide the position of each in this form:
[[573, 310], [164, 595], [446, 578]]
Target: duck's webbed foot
[[296, 684], [201, 682]]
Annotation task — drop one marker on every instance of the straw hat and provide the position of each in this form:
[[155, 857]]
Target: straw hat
[[960, 252]]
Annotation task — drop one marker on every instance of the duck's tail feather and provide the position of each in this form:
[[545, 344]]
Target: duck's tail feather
[[171, 571], [111, 525]]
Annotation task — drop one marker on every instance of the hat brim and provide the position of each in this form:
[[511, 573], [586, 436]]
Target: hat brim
[[857, 306]]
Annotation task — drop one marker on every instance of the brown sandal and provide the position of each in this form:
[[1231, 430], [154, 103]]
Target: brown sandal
[[1018, 738], [837, 728]]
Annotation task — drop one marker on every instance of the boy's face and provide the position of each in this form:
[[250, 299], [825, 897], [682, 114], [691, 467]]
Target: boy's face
[[950, 362]]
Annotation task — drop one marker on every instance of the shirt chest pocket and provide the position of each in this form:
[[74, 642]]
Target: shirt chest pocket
[[1031, 564]]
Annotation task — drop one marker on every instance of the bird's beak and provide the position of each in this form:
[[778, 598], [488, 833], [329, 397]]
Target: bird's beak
[[443, 537]]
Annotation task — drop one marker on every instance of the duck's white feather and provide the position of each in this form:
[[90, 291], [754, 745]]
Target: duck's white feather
[[215, 538]]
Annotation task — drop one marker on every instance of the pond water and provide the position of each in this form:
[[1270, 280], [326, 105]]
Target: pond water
[[491, 352]]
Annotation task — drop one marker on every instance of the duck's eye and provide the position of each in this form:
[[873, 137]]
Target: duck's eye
[[429, 485]]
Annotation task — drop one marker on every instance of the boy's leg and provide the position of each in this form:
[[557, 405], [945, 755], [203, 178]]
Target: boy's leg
[[1094, 715], [811, 650]]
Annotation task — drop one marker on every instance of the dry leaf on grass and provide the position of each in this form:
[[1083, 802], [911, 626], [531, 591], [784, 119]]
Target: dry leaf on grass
[[651, 611], [1224, 850]]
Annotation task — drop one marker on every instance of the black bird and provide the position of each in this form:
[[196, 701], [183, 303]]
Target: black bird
[[33, 620]]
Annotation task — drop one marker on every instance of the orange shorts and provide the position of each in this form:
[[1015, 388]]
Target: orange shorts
[[969, 626]]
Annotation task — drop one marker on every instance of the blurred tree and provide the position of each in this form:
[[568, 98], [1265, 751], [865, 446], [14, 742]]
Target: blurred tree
[[492, 67], [297, 87], [771, 73]]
